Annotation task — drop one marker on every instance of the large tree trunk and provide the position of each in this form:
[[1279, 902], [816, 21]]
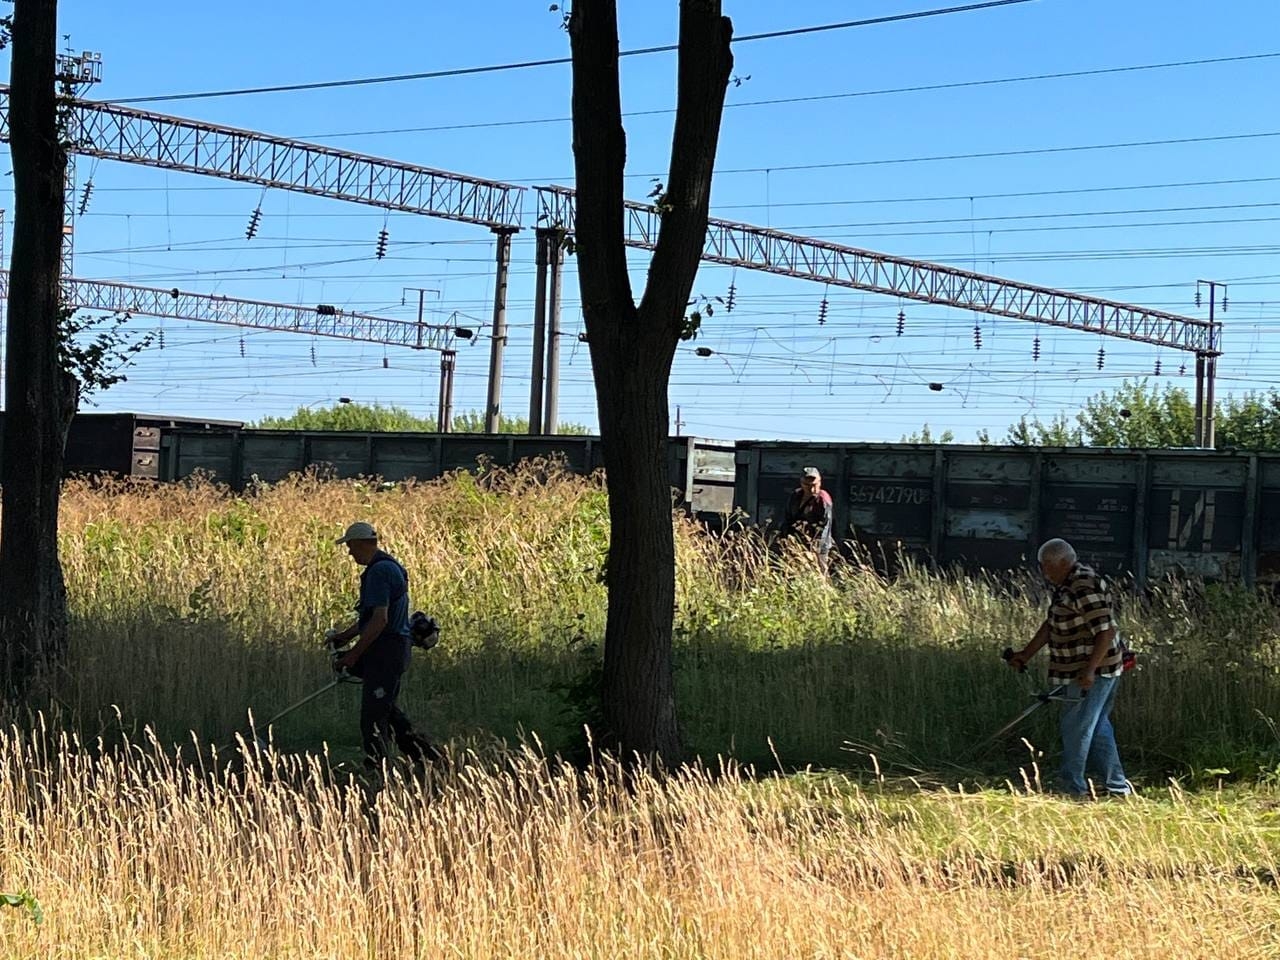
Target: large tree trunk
[[40, 396], [639, 692], [632, 347]]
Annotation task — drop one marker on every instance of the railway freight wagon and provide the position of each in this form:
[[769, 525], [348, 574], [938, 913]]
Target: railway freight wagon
[[702, 471], [124, 444], [1145, 513], [169, 449]]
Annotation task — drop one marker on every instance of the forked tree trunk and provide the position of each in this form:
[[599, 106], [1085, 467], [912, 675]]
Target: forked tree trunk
[[632, 347], [40, 396]]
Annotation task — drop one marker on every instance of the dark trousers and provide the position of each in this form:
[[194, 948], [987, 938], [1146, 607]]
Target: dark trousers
[[382, 721]]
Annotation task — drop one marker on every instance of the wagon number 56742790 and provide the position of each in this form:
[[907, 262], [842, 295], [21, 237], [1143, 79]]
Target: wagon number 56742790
[[891, 493]]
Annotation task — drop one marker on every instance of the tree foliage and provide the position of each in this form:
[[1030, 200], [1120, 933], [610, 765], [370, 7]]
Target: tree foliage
[[1138, 415], [394, 419], [1058, 432], [1141, 414], [925, 435]]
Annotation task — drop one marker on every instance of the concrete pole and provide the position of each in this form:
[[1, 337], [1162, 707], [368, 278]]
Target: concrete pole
[[444, 416], [556, 251], [1211, 374], [493, 407], [539, 333], [1200, 372]]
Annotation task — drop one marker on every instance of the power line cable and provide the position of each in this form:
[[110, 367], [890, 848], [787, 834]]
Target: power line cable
[[1005, 196], [816, 98], [868, 231], [987, 155], [1238, 181], [554, 61]]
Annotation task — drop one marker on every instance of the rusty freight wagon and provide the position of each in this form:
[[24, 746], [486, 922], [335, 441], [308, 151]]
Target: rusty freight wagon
[[1148, 513]]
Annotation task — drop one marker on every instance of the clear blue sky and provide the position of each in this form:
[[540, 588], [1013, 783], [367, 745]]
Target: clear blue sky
[[1130, 230]]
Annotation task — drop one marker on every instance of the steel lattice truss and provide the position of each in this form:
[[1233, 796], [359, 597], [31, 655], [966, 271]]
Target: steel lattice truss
[[319, 321], [156, 140], [759, 248]]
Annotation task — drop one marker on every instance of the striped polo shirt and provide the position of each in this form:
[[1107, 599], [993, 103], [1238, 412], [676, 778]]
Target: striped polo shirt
[[1080, 610]]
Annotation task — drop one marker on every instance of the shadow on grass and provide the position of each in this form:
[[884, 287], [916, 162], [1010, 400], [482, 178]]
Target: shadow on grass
[[922, 710]]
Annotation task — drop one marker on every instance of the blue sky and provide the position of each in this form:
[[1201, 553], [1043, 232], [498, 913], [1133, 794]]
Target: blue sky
[[1123, 222]]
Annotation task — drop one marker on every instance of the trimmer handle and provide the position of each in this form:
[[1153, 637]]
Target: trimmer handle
[[1007, 655]]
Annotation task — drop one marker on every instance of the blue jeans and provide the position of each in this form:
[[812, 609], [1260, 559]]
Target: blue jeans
[[1088, 740]]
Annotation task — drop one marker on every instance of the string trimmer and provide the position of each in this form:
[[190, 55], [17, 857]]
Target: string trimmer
[[424, 632]]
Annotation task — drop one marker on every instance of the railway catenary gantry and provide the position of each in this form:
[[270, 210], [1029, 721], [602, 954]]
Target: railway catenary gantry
[[109, 131], [321, 320], [772, 251], [106, 131]]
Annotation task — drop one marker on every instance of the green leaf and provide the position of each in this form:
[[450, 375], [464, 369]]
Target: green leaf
[[24, 900]]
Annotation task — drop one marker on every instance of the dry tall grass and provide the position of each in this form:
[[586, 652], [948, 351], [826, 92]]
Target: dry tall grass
[[193, 605], [138, 855]]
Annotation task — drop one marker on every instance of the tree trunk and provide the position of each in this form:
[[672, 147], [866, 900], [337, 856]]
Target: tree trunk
[[632, 348], [40, 396], [639, 689]]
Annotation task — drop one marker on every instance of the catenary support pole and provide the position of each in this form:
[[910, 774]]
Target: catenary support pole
[[1200, 372], [537, 361], [555, 252], [444, 414], [493, 408]]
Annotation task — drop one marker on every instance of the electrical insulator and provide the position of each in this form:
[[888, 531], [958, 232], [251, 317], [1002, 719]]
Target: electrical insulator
[[381, 250], [1035, 350], [1102, 356], [1157, 371], [1197, 298], [1224, 303], [84, 198], [977, 337], [386, 364], [313, 354], [733, 297], [1182, 370], [254, 219], [242, 346], [822, 311], [160, 338], [902, 321]]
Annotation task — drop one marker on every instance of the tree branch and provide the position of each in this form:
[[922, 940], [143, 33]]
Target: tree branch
[[600, 155], [705, 65]]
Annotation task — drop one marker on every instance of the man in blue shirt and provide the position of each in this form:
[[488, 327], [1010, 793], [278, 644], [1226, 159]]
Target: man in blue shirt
[[381, 652]]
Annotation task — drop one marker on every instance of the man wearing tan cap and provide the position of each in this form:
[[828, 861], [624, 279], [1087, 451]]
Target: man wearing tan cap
[[381, 652], [808, 516]]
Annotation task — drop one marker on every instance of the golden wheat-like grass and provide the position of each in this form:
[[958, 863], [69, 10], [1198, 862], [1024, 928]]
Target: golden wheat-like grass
[[141, 854]]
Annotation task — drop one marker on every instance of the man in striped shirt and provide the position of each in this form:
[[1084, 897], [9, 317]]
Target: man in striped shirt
[[1086, 656]]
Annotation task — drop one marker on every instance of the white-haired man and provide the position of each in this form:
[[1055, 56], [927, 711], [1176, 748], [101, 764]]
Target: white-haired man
[[1087, 656]]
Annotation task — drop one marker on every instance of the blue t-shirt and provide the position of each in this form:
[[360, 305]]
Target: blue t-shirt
[[385, 583]]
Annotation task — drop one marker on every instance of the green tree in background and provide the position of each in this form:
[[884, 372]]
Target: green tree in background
[[925, 435], [1139, 414], [1251, 422], [1058, 432], [393, 419]]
